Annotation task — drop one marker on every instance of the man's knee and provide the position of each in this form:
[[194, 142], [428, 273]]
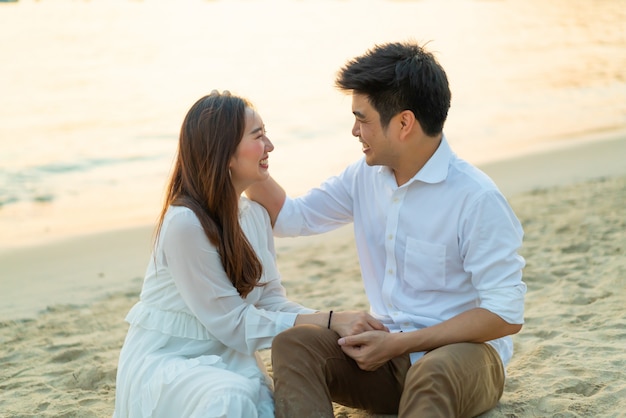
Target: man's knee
[[305, 336], [428, 369], [457, 380], [307, 346], [442, 368], [298, 336]]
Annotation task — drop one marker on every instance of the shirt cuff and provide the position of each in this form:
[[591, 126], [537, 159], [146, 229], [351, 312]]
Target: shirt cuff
[[507, 303], [286, 320]]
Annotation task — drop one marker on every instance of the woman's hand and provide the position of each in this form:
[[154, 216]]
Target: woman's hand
[[347, 323]]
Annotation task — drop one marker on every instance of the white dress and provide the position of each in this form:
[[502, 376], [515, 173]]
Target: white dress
[[192, 341]]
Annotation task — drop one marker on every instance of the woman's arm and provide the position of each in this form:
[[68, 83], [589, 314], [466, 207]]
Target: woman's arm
[[344, 323], [269, 194], [196, 267]]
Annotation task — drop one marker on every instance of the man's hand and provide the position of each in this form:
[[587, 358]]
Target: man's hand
[[370, 349], [347, 323]]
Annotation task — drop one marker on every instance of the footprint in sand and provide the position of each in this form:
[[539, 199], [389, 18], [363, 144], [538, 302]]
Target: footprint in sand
[[68, 355], [582, 388], [576, 248]]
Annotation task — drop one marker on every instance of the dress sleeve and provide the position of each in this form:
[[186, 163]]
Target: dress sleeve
[[274, 296], [491, 236], [201, 281]]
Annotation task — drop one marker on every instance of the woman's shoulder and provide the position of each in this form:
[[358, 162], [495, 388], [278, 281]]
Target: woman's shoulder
[[180, 214], [246, 204], [252, 208], [181, 226], [180, 218]]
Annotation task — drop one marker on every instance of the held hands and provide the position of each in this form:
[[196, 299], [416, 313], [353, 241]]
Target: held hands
[[347, 323], [370, 349], [364, 338]]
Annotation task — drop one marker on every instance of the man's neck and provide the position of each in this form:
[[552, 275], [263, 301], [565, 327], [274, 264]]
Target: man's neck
[[415, 158]]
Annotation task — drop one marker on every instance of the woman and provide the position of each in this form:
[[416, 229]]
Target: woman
[[212, 296]]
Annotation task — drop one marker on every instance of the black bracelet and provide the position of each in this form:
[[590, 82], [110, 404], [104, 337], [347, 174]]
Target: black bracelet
[[330, 316]]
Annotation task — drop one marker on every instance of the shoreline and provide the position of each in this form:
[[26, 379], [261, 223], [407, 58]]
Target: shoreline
[[27, 226], [98, 264]]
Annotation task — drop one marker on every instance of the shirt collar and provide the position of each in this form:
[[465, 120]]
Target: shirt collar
[[436, 168]]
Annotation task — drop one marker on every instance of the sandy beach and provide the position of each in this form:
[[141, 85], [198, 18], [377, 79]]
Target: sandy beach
[[63, 304]]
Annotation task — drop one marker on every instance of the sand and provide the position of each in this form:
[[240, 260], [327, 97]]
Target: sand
[[63, 304]]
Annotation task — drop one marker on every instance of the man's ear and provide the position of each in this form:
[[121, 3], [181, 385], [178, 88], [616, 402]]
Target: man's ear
[[408, 123]]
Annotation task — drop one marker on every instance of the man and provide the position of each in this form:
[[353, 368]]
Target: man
[[438, 247]]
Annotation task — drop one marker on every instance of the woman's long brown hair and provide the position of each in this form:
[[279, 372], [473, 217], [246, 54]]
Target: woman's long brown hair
[[209, 137]]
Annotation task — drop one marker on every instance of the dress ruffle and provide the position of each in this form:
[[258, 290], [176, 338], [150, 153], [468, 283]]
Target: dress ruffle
[[177, 324], [165, 376]]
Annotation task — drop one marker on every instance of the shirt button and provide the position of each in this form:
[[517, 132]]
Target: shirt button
[[390, 271], [389, 236]]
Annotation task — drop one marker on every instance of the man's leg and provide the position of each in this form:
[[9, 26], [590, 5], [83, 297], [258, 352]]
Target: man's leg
[[311, 371], [457, 380]]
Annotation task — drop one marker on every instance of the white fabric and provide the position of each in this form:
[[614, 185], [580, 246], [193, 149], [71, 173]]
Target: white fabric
[[192, 342], [441, 244]]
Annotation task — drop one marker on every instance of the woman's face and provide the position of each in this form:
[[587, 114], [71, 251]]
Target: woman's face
[[250, 162]]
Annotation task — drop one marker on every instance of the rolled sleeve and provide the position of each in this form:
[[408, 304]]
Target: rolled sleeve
[[492, 238], [507, 303]]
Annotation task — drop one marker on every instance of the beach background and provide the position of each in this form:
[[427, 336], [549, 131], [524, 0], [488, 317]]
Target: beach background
[[92, 96]]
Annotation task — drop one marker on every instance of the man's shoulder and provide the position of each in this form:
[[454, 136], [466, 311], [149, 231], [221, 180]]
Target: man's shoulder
[[467, 176]]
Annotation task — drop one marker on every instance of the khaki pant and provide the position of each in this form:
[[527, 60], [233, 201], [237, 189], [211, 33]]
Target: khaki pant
[[311, 371]]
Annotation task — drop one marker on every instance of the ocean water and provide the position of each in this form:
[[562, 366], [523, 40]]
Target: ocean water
[[92, 93]]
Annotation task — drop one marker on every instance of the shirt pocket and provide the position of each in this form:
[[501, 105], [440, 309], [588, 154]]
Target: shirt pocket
[[424, 265]]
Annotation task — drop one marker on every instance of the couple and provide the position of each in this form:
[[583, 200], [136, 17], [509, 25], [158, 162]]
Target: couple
[[437, 242]]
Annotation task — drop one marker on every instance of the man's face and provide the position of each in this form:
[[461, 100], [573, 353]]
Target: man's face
[[374, 139]]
